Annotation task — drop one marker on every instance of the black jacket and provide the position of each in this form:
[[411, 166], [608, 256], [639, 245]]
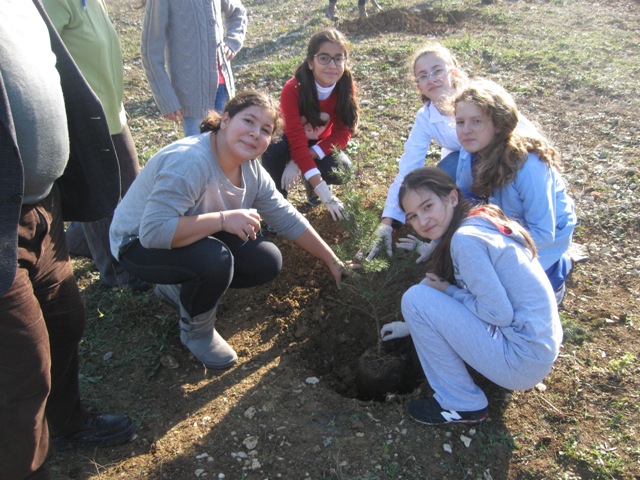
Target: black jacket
[[90, 185]]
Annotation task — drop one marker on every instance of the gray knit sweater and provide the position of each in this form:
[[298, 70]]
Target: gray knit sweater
[[181, 45]]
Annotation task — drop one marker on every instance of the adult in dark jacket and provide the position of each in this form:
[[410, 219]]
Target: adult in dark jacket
[[56, 163]]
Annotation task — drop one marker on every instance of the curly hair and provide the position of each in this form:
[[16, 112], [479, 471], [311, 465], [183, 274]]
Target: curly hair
[[309, 106], [242, 101], [500, 162]]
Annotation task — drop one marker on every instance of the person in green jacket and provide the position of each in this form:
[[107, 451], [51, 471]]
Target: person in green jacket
[[92, 41]]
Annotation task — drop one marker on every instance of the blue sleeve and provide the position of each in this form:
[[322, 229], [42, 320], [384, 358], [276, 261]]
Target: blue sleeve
[[535, 186]]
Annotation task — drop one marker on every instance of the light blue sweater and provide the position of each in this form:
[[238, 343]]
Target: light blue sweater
[[500, 283], [537, 199]]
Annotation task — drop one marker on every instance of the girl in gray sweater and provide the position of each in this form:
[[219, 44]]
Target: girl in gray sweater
[[191, 221], [486, 302]]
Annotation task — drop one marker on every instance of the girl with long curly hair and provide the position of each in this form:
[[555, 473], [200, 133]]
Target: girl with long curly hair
[[517, 170]]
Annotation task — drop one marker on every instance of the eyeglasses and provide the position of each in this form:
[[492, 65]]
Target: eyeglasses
[[434, 76], [325, 59]]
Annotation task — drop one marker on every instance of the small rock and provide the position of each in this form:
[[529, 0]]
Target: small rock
[[312, 380], [221, 476], [466, 440], [201, 456], [541, 387], [250, 412], [199, 472], [107, 356], [168, 361], [360, 435], [447, 448], [250, 442], [255, 464]]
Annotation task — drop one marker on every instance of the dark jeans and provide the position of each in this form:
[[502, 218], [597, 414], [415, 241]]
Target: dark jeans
[[42, 319], [275, 159], [92, 238], [360, 2], [205, 268]]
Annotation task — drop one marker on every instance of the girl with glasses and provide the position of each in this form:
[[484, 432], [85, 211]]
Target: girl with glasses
[[485, 303], [509, 167], [191, 221], [321, 112], [438, 77]]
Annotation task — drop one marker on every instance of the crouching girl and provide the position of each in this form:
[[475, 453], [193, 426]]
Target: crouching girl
[[191, 221], [487, 302]]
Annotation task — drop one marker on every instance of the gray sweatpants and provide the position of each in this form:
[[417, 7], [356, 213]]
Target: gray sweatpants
[[446, 335]]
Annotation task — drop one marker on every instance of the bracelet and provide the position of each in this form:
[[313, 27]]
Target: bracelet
[[221, 221]]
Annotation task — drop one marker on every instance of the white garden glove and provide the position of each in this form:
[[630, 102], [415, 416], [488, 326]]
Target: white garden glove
[[330, 201], [411, 243], [290, 176], [383, 237], [394, 330]]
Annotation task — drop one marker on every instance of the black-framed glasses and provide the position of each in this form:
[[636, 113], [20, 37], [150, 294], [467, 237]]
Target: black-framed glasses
[[434, 75], [325, 59]]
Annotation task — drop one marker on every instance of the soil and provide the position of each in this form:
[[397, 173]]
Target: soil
[[289, 408]]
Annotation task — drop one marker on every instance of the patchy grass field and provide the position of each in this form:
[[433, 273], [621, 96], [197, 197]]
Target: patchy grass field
[[573, 67]]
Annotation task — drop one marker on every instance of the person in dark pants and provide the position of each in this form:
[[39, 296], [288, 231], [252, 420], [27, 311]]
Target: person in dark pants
[[93, 43], [332, 13], [56, 163]]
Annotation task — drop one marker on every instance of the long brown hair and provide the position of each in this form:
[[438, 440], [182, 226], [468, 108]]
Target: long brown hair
[[243, 100], [309, 104], [507, 153], [437, 181]]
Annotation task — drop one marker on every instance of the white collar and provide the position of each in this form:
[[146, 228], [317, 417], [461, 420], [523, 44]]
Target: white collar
[[324, 92]]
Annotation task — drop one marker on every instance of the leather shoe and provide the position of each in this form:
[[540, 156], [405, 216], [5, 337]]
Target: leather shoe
[[98, 431]]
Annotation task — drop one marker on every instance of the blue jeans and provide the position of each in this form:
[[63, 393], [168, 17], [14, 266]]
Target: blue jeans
[[450, 164], [191, 125]]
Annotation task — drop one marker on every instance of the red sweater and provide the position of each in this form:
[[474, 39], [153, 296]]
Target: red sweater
[[333, 134]]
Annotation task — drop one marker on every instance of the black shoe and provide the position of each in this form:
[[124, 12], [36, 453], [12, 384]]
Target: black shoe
[[430, 412], [98, 431], [312, 197]]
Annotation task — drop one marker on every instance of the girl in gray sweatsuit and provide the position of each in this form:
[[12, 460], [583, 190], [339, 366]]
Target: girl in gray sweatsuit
[[486, 303]]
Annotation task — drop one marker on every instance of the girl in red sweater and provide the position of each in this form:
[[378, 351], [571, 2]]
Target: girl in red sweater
[[321, 111]]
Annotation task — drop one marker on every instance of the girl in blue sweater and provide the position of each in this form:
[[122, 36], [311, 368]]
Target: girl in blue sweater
[[486, 302], [516, 170]]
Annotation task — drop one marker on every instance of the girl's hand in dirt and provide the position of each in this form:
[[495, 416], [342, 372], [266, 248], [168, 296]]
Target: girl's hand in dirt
[[394, 330], [433, 281], [245, 223], [342, 270]]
